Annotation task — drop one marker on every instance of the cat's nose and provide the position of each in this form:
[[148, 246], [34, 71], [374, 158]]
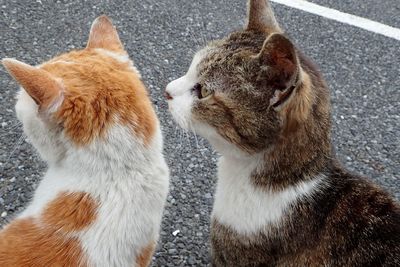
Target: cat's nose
[[168, 96]]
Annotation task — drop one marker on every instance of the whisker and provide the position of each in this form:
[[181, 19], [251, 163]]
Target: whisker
[[185, 134], [180, 134], [203, 31], [12, 128], [18, 144], [194, 38], [194, 133]]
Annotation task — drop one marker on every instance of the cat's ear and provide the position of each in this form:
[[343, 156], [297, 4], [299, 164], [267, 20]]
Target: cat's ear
[[279, 56], [38, 83], [104, 35], [260, 17]]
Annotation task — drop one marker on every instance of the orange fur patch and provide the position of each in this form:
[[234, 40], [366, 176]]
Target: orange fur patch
[[145, 256], [100, 92], [45, 241], [23, 243], [70, 211]]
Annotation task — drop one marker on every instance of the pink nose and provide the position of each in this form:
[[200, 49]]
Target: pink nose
[[167, 96]]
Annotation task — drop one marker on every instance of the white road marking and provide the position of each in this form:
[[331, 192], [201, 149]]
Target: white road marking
[[336, 15]]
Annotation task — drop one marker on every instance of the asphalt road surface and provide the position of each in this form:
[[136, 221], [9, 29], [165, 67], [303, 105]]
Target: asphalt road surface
[[362, 69]]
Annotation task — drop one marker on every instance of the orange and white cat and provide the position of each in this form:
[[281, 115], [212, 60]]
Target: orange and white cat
[[101, 200]]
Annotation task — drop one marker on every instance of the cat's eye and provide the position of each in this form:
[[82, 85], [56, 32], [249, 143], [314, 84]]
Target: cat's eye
[[204, 92], [201, 91]]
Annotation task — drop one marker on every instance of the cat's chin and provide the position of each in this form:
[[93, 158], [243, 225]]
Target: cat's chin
[[220, 144]]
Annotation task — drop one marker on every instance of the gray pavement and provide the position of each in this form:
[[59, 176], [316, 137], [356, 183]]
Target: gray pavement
[[387, 11], [361, 68]]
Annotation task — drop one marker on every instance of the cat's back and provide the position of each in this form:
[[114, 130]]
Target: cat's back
[[49, 239], [349, 222], [364, 224]]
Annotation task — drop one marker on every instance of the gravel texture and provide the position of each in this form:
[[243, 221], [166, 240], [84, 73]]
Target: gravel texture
[[361, 68], [386, 12]]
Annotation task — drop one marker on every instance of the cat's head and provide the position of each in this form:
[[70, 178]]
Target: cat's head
[[250, 90], [84, 96]]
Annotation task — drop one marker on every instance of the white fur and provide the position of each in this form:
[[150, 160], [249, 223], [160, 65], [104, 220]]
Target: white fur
[[127, 179], [249, 209], [46, 142]]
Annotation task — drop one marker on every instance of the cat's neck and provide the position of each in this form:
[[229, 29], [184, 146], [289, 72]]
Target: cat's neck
[[296, 158], [300, 158], [114, 158]]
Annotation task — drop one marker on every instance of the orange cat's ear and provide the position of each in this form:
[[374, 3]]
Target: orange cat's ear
[[104, 35], [38, 83], [260, 17]]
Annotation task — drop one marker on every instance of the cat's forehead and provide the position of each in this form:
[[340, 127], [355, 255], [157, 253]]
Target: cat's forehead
[[87, 61], [239, 41], [78, 57], [227, 52]]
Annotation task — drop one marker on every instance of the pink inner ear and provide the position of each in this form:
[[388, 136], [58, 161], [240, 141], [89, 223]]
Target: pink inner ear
[[104, 35], [38, 83]]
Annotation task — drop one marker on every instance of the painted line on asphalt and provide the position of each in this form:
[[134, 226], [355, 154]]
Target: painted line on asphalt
[[343, 17]]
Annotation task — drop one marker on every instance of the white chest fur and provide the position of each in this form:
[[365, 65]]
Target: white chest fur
[[246, 208]]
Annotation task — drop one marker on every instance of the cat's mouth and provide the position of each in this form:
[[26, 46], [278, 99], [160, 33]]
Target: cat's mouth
[[180, 102], [180, 115]]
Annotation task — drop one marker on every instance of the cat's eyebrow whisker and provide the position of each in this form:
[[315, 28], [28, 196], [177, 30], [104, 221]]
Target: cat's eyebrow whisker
[[194, 38], [203, 39], [203, 31]]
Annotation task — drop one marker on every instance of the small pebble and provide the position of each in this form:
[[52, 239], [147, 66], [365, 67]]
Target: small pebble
[[174, 233]]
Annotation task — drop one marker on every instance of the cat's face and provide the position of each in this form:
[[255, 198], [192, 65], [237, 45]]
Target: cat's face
[[239, 90], [82, 96]]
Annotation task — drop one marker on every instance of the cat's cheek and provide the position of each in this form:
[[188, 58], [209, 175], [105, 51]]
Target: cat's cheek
[[25, 108], [218, 142]]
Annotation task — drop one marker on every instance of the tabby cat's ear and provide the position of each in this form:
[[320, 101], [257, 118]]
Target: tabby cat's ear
[[38, 83], [260, 17], [279, 55], [104, 35]]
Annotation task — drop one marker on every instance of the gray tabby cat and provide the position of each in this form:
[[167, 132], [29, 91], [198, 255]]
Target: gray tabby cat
[[282, 198]]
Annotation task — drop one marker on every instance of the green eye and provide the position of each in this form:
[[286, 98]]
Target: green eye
[[204, 92], [200, 91]]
